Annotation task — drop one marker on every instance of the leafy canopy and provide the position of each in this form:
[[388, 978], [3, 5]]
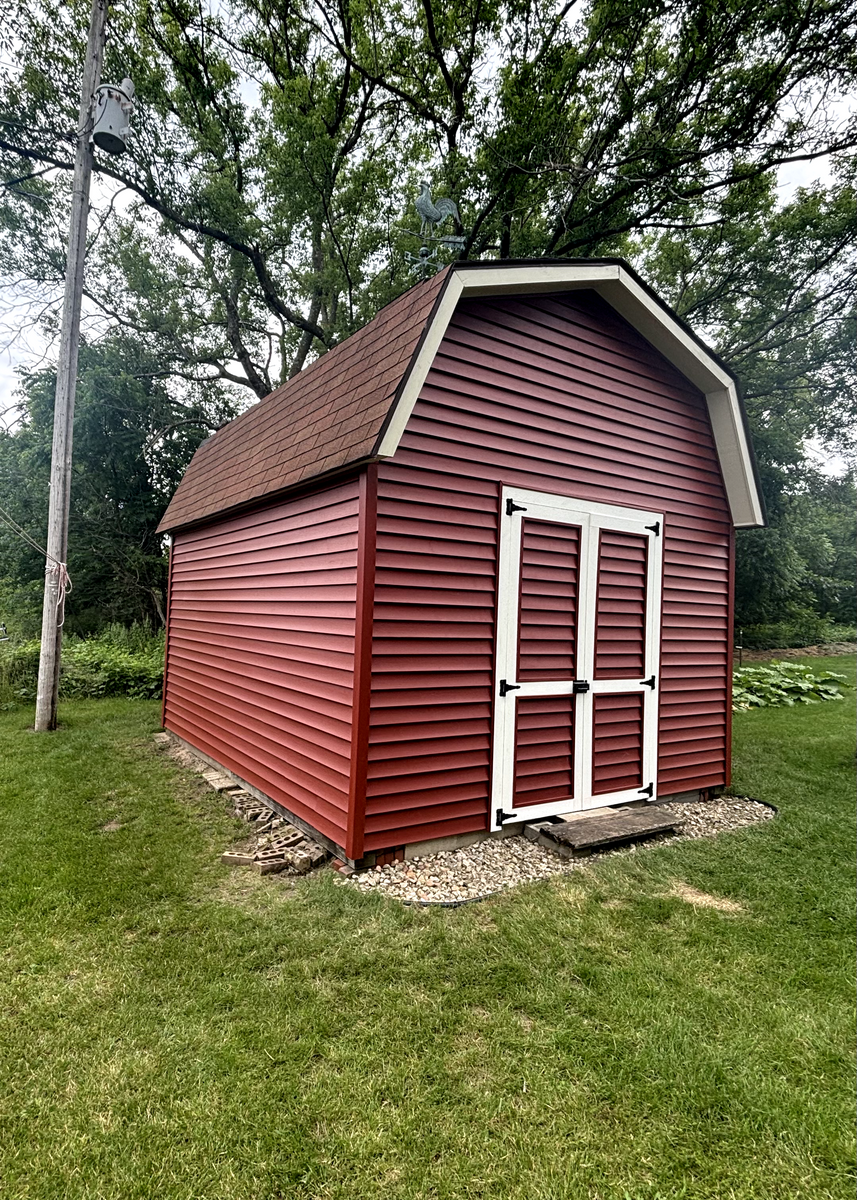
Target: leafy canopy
[[266, 206]]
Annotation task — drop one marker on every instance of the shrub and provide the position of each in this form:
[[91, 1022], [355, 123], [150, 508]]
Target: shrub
[[19, 671], [809, 630], [119, 662], [95, 668], [786, 683]]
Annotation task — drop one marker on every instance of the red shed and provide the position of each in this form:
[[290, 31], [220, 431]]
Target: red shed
[[472, 567]]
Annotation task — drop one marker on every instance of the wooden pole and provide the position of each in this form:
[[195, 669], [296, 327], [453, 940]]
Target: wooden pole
[[54, 606]]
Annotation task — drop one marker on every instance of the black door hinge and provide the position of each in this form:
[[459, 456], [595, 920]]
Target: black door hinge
[[504, 816], [650, 682], [512, 507], [656, 528], [648, 791], [579, 687], [505, 687]]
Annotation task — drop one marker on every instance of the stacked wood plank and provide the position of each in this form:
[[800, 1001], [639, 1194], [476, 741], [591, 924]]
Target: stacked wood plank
[[277, 846]]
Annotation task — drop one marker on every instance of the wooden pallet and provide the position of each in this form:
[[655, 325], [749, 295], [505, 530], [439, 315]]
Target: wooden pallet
[[608, 828]]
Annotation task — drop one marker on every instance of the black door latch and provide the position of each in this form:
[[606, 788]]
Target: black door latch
[[579, 686]]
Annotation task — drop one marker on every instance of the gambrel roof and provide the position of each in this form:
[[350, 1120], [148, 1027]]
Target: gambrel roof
[[352, 404]]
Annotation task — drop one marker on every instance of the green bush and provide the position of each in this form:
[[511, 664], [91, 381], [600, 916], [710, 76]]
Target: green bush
[[94, 668], [19, 671], [119, 662], [810, 630], [787, 683]]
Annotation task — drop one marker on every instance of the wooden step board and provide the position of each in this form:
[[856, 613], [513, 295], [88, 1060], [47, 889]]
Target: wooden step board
[[611, 827]]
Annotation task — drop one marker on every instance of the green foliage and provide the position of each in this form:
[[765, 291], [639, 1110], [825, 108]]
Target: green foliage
[[783, 683], [267, 203], [94, 668], [19, 672], [119, 662], [133, 439], [810, 630], [20, 601], [802, 567], [277, 146]]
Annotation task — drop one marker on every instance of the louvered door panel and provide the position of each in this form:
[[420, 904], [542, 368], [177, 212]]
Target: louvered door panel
[[548, 604], [544, 750], [617, 743], [620, 622]]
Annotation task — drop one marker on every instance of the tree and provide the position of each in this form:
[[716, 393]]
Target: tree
[[132, 443], [264, 212], [774, 288], [277, 145]]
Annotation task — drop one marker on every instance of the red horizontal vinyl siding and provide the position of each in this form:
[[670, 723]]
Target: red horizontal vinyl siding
[[558, 394], [260, 663]]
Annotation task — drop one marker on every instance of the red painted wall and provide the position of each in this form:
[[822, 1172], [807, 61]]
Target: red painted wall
[[557, 394], [260, 665]]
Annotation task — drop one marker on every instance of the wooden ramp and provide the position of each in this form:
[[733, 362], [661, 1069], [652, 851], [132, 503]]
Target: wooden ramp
[[600, 830]]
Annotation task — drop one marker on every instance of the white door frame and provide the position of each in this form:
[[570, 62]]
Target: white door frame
[[591, 518]]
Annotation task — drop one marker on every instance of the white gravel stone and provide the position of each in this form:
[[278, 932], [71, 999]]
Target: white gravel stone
[[455, 876]]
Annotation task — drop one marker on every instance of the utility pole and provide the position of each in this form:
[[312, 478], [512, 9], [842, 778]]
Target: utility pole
[[53, 613]]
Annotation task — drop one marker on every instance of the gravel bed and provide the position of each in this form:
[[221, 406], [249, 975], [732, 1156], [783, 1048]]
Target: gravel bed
[[481, 870]]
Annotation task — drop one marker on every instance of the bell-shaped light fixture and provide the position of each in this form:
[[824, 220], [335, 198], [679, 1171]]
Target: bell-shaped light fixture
[[114, 104]]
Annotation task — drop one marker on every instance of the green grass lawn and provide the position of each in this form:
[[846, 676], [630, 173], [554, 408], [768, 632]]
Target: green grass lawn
[[171, 1028]]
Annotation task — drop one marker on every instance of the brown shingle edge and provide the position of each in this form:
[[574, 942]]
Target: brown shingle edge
[[197, 501]]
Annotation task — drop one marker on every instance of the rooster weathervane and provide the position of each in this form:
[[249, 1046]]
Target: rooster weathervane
[[433, 213]]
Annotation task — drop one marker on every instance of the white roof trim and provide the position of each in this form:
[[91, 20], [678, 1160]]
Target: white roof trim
[[623, 292]]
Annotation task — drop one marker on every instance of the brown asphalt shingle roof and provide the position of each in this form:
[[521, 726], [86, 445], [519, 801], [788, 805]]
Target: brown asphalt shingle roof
[[326, 417]]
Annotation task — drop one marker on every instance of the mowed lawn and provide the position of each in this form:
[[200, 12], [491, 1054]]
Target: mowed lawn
[[171, 1028]]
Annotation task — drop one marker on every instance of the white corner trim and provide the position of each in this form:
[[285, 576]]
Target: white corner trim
[[623, 293]]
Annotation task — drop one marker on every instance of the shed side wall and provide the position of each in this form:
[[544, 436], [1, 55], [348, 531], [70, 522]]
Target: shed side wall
[[260, 663], [557, 394]]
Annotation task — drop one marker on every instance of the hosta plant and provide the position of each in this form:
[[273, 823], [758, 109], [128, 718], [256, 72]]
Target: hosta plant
[[787, 683]]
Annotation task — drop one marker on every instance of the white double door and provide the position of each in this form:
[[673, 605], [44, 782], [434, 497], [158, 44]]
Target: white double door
[[578, 654]]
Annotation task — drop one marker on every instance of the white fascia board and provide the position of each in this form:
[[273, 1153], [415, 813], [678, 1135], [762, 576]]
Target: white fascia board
[[623, 293], [420, 367], [544, 277]]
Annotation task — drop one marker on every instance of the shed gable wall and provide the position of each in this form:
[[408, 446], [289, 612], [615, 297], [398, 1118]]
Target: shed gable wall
[[558, 394], [260, 662]]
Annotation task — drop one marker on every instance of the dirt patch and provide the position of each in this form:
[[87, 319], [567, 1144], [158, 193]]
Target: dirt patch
[[683, 891], [111, 826], [828, 650]]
